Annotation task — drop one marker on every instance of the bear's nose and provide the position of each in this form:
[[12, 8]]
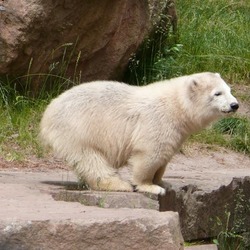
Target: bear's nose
[[234, 106]]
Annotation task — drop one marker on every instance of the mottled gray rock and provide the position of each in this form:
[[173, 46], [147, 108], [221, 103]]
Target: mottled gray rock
[[134, 230], [109, 199], [31, 219], [205, 187], [199, 210]]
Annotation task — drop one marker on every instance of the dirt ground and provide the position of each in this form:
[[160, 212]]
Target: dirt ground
[[195, 156]]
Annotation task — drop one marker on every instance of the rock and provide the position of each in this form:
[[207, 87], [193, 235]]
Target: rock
[[125, 232], [200, 212], [202, 247], [109, 199], [205, 189], [31, 219], [93, 39]]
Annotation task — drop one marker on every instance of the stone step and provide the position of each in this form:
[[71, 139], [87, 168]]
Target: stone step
[[202, 247], [31, 219]]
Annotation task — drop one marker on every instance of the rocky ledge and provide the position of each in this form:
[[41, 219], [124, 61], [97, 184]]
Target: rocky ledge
[[46, 209]]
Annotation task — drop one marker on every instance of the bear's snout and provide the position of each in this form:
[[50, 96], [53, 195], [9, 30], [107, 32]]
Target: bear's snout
[[234, 106]]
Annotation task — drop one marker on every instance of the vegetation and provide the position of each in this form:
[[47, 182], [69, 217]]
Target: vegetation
[[212, 36], [234, 234], [20, 113]]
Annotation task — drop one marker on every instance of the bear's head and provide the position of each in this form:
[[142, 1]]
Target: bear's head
[[210, 97]]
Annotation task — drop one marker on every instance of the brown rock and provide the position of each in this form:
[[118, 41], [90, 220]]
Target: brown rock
[[98, 36]]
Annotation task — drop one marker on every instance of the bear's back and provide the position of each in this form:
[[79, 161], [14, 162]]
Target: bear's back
[[103, 92]]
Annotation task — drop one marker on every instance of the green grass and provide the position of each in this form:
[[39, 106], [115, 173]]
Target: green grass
[[19, 126], [216, 37], [213, 35], [22, 105], [232, 132]]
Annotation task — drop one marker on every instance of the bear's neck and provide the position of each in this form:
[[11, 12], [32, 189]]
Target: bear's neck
[[191, 116]]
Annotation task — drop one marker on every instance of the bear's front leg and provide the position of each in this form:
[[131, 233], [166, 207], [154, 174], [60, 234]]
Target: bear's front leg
[[145, 174]]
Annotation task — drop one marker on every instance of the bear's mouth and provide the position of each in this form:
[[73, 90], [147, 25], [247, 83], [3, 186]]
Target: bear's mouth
[[228, 111]]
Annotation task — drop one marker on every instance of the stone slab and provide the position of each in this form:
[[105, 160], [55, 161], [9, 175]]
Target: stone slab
[[202, 247], [201, 187], [31, 219]]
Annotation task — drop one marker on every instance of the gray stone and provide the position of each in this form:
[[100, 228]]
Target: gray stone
[[31, 219], [200, 211], [109, 199], [205, 188], [202, 247]]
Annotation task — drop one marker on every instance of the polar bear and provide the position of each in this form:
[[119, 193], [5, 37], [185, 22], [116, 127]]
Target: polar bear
[[101, 126]]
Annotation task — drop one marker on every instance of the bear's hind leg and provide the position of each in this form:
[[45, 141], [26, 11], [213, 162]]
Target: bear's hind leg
[[96, 172], [143, 176]]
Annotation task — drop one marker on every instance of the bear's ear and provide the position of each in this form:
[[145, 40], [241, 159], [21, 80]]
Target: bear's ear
[[192, 88], [217, 74], [193, 85]]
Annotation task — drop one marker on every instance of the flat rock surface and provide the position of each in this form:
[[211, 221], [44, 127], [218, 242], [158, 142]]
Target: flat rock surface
[[37, 193], [202, 247], [32, 219]]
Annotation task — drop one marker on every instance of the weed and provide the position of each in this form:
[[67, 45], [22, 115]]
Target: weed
[[145, 66], [228, 239], [233, 234]]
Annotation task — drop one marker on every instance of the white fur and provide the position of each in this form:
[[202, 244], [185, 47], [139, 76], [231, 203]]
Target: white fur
[[101, 126]]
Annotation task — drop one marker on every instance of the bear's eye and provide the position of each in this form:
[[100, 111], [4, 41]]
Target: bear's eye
[[218, 93]]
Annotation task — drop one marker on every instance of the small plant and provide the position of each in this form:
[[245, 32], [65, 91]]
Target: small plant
[[234, 232], [228, 239], [147, 65]]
